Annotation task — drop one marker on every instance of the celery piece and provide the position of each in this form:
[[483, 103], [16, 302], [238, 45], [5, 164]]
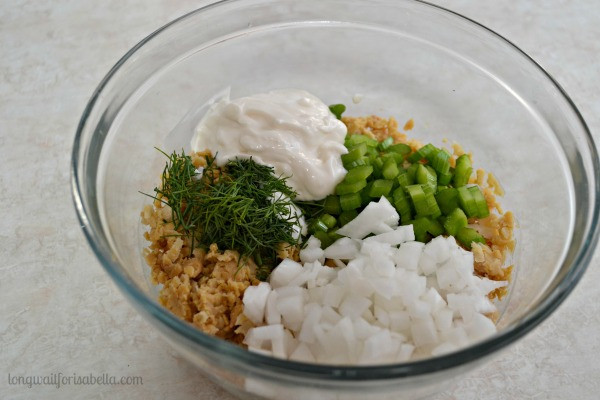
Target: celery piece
[[325, 239], [364, 194], [432, 178], [404, 178], [353, 140], [482, 207], [423, 153], [350, 201], [399, 148], [380, 187], [412, 172], [442, 219], [418, 198], [332, 205], [462, 171], [390, 169], [354, 153], [435, 227], [466, 236], [347, 188], [447, 200], [455, 221], [357, 138], [347, 216], [467, 202], [318, 225], [377, 167], [334, 236], [420, 226], [426, 175], [433, 209], [402, 204], [384, 144], [372, 151], [358, 174], [440, 162], [358, 163], [445, 179], [396, 156], [328, 220]]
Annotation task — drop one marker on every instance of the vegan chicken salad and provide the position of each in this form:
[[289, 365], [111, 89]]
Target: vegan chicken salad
[[304, 234]]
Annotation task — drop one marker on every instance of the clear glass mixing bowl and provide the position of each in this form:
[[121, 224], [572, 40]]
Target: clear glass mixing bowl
[[407, 59]]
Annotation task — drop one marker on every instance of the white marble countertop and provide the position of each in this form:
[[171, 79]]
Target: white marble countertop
[[61, 313]]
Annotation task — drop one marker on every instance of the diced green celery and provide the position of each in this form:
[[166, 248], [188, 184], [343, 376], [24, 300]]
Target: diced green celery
[[332, 205], [350, 201], [390, 169], [462, 171], [418, 198], [423, 226], [426, 176], [384, 144], [466, 236], [402, 204], [435, 227], [433, 209], [399, 148], [347, 216], [423, 153], [355, 139], [358, 174], [455, 221], [482, 207], [372, 152], [467, 202], [328, 220], [396, 156], [354, 153], [347, 188], [442, 219], [364, 194], [318, 225], [404, 178], [412, 171], [377, 167], [445, 179], [447, 200], [334, 236], [325, 239], [420, 226], [440, 162], [380, 187], [358, 163]]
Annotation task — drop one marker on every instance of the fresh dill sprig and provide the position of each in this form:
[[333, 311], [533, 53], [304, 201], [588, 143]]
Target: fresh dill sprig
[[242, 206]]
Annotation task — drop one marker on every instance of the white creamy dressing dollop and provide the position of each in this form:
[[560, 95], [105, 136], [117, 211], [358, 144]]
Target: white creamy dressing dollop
[[290, 130]]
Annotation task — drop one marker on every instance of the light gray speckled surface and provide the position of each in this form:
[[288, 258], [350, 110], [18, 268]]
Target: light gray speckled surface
[[60, 312]]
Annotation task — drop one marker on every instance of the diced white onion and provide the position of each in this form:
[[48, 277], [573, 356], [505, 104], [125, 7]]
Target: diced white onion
[[389, 299]]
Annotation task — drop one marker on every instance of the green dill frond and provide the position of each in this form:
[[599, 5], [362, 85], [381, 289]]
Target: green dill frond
[[242, 206]]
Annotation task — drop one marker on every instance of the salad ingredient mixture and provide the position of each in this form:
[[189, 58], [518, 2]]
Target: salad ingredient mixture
[[290, 130], [400, 255]]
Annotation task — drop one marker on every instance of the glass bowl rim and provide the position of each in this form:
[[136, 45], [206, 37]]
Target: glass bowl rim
[[335, 372]]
